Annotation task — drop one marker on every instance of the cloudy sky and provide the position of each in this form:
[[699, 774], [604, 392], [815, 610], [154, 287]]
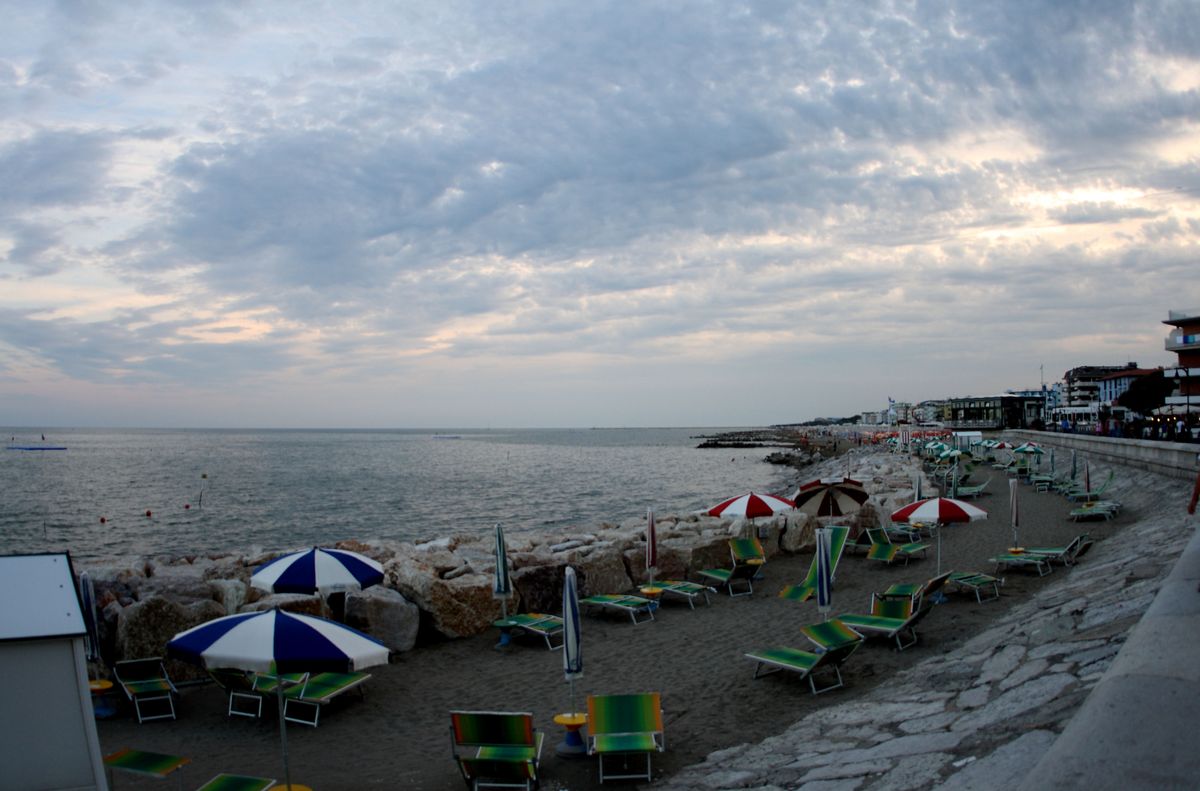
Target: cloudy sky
[[583, 214]]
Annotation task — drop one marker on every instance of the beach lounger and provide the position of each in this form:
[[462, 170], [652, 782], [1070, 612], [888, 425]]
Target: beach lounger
[[914, 591], [835, 643], [624, 726], [976, 582], [633, 606], [688, 590], [143, 762], [227, 782], [1022, 560], [146, 684], [748, 559], [889, 618], [1081, 494], [244, 699], [1064, 555], [964, 492], [317, 691], [1097, 509], [808, 588], [547, 627], [882, 548], [504, 749]]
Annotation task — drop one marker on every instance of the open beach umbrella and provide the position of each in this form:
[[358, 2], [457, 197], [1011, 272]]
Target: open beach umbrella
[[317, 570], [276, 642], [751, 506], [651, 545], [824, 572], [572, 643], [830, 497], [501, 583], [939, 511]]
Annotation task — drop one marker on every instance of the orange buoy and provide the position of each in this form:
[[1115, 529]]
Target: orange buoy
[[187, 506], [103, 520], [148, 514]]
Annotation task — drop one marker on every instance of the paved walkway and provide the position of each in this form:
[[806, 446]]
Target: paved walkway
[[986, 715]]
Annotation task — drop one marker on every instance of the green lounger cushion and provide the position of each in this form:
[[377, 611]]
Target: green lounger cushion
[[144, 762], [612, 715], [831, 634], [226, 782], [624, 743], [492, 729], [789, 657], [325, 686]]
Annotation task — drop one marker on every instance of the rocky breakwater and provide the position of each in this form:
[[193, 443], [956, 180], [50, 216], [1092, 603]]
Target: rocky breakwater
[[443, 588]]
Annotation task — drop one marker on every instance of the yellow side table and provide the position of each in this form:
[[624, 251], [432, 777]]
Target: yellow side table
[[572, 745]]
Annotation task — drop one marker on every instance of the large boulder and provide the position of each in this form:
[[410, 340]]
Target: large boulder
[[539, 587], [798, 537], [182, 582], [300, 603], [385, 615], [602, 572], [458, 607], [145, 627], [230, 593]]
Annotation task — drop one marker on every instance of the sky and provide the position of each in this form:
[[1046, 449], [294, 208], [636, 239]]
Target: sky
[[448, 214]]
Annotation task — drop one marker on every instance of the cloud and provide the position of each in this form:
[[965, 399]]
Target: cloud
[[379, 196]]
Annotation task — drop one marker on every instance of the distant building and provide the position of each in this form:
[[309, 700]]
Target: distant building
[[1113, 386], [1080, 402], [994, 412], [1184, 340]]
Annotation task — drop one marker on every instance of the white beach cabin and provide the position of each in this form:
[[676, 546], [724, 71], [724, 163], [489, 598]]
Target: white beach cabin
[[47, 730]]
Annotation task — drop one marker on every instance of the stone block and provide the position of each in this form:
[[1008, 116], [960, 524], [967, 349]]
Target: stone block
[[385, 615]]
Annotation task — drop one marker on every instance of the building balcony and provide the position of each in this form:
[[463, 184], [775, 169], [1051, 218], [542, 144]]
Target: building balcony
[[1182, 342]]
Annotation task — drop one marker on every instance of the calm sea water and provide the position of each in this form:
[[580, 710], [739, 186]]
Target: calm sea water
[[226, 490]]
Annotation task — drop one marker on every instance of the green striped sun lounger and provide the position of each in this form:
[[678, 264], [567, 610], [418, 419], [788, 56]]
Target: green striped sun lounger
[[148, 687], [317, 691], [835, 643], [976, 582], [747, 560], [547, 627], [624, 726], [889, 618], [1023, 560], [506, 748], [631, 605], [1064, 555], [143, 762], [688, 590], [882, 548], [808, 588], [227, 782]]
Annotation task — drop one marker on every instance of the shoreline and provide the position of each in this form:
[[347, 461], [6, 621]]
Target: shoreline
[[693, 657]]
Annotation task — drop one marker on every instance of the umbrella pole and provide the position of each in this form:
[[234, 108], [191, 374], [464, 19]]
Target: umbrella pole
[[287, 772]]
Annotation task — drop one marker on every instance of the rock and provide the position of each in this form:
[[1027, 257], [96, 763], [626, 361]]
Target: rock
[[798, 536], [457, 607], [602, 572], [231, 593], [181, 582], [301, 603], [385, 615], [144, 629], [539, 587]]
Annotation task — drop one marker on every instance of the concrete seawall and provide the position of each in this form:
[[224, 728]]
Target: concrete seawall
[[1173, 459]]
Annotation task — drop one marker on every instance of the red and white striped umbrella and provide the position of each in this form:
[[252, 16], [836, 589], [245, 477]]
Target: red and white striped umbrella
[[752, 505], [942, 510], [830, 497]]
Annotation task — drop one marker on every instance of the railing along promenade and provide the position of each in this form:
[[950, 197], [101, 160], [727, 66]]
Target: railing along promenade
[[1174, 459]]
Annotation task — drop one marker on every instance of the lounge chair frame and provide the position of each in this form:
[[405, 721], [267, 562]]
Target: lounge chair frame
[[808, 588], [229, 782], [831, 654], [747, 558], [317, 691], [1023, 560], [889, 618], [542, 625], [976, 582], [240, 686], [625, 725], [631, 605], [688, 590], [145, 681], [507, 748]]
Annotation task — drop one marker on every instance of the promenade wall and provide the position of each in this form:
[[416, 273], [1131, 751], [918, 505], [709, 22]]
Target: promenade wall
[[1173, 459]]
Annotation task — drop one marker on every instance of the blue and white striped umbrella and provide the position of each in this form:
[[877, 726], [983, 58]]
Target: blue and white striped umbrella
[[824, 571], [274, 641], [317, 569], [572, 643]]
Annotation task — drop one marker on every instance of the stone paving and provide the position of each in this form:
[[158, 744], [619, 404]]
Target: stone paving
[[984, 715]]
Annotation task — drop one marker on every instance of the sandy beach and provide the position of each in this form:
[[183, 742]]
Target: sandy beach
[[398, 736]]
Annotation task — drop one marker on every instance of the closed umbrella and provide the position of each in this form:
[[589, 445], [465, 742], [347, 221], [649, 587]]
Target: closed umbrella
[[824, 572], [1074, 467], [830, 497], [1013, 507], [651, 546], [572, 643], [317, 570], [276, 642], [502, 582], [751, 506]]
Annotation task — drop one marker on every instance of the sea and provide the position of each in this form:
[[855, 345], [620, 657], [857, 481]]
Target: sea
[[117, 493]]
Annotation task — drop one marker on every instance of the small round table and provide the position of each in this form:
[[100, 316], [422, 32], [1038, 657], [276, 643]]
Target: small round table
[[651, 592], [505, 626], [572, 745], [102, 706]]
